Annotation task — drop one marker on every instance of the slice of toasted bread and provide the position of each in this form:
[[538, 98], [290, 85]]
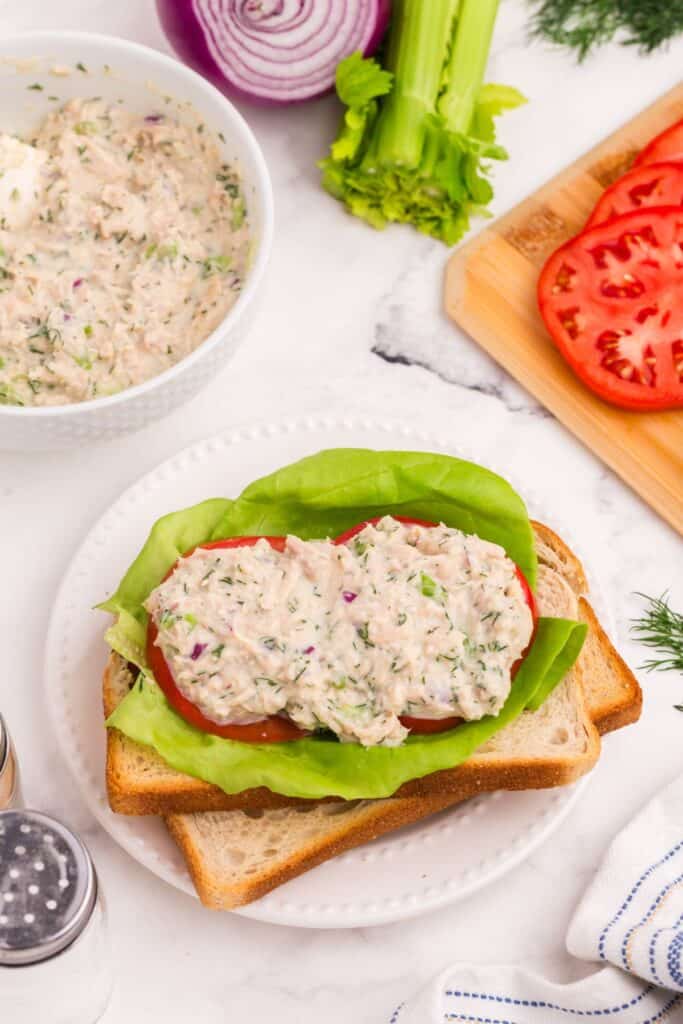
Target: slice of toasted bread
[[552, 746]]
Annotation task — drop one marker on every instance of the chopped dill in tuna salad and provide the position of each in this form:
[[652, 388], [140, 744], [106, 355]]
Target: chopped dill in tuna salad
[[400, 620], [123, 244]]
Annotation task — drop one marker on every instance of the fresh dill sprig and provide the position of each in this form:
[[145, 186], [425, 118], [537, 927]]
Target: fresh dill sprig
[[660, 628], [583, 25]]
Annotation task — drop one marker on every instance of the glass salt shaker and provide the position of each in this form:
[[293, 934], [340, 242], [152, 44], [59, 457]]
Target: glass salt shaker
[[10, 789], [54, 953]]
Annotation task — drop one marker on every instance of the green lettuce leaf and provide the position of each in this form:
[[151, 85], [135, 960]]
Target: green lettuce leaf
[[170, 537], [320, 496]]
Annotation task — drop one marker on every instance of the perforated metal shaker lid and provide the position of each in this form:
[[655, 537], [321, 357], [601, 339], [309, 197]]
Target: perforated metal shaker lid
[[48, 887]]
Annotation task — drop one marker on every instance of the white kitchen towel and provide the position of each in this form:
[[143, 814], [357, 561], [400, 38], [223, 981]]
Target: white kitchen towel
[[631, 917], [632, 913]]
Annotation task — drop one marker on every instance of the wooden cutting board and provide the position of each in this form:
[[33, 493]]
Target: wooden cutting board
[[490, 291]]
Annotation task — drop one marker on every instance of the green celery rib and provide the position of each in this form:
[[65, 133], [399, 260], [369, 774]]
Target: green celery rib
[[418, 48], [467, 64]]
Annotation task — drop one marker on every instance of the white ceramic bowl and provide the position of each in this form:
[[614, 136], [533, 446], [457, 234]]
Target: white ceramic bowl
[[117, 69]]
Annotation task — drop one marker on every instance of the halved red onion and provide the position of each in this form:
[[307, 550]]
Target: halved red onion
[[272, 52]]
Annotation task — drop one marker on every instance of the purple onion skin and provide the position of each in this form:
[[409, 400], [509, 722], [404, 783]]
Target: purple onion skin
[[185, 35]]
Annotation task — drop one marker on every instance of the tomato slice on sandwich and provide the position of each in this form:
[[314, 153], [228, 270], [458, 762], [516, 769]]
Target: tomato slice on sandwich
[[276, 728]]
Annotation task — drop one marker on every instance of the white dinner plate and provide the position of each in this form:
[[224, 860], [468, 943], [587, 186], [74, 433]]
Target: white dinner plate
[[411, 871]]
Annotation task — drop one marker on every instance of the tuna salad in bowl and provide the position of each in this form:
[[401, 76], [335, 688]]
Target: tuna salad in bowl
[[135, 227]]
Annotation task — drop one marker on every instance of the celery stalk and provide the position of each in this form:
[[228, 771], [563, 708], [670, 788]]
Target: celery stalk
[[417, 131], [418, 47], [467, 63]]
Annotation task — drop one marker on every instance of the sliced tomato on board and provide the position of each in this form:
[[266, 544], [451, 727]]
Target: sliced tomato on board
[[668, 145], [612, 300], [275, 728], [650, 185]]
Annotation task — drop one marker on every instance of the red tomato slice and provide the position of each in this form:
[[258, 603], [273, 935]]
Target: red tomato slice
[[276, 729], [612, 300], [424, 726], [666, 146], [650, 185]]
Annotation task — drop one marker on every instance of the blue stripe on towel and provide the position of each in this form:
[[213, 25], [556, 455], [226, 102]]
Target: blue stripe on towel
[[673, 959], [646, 874], [543, 1005], [474, 1019], [662, 894], [652, 951]]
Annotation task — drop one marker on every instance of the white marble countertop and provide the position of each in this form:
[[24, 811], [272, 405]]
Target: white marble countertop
[[352, 322]]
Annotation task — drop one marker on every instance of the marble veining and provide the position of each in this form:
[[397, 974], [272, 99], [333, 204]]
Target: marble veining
[[352, 323]]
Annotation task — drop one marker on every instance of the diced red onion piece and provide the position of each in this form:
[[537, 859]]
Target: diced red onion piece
[[272, 52], [154, 118], [198, 650], [349, 596], [309, 650], [77, 283]]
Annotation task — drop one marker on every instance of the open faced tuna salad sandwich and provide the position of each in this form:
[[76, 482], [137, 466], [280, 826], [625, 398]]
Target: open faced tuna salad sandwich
[[371, 636]]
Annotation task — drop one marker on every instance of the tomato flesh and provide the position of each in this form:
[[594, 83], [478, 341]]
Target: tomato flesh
[[612, 300], [668, 145], [425, 726], [275, 728], [649, 185]]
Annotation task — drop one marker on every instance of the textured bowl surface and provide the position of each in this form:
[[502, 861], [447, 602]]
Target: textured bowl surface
[[143, 79]]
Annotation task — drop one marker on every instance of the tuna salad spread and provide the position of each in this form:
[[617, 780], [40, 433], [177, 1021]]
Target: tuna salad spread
[[399, 620], [123, 244]]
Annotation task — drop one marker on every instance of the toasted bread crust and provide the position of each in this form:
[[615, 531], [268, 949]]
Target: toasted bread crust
[[559, 557], [623, 705]]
